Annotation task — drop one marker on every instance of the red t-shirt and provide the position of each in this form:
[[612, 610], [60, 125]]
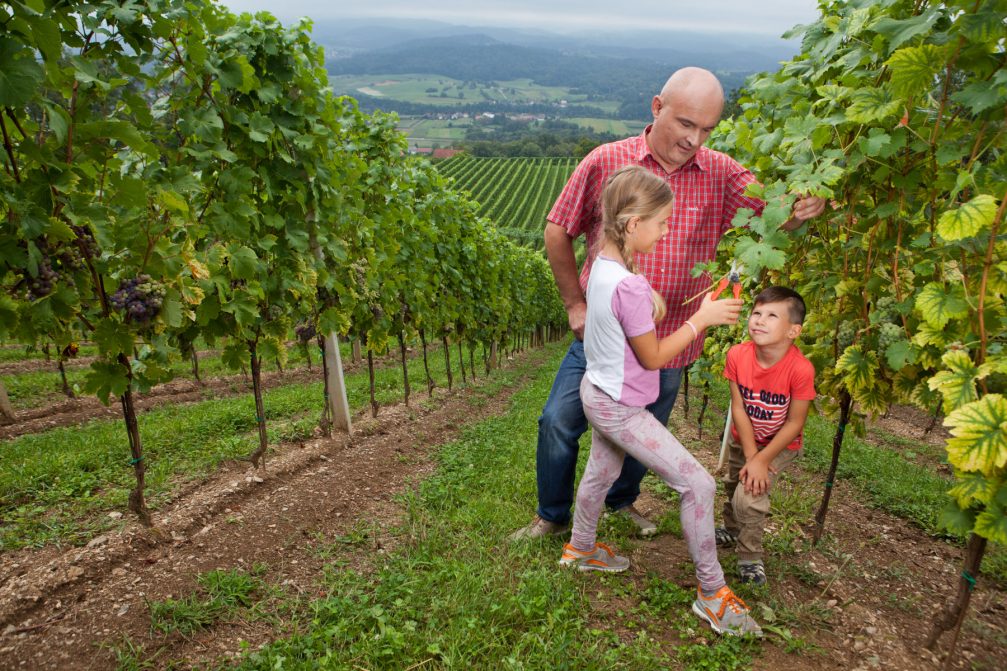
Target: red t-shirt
[[767, 392], [709, 189]]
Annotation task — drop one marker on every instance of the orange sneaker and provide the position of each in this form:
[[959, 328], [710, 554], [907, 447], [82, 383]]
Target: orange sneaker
[[602, 558], [726, 613]]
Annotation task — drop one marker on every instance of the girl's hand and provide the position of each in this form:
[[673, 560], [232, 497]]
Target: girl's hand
[[716, 313]]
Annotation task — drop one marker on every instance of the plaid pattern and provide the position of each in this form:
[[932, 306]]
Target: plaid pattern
[[709, 190]]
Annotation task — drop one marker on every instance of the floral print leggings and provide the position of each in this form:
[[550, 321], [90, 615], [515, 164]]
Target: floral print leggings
[[619, 429]]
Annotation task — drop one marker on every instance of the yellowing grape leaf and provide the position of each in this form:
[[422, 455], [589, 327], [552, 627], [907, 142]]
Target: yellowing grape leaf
[[957, 384], [913, 69], [859, 369], [979, 435], [967, 220], [938, 305]]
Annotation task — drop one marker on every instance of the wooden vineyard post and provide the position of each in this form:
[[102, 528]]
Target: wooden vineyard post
[[338, 406]]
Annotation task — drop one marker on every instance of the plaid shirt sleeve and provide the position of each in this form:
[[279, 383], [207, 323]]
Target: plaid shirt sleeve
[[575, 207]]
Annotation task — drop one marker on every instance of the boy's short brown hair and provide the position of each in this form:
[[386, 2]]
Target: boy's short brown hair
[[795, 303]]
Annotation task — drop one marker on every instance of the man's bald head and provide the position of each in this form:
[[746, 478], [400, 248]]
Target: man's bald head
[[694, 84]]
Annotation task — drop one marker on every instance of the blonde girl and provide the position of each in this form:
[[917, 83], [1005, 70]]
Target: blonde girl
[[624, 357]]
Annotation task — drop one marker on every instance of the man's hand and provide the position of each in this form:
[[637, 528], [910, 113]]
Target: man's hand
[[755, 477], [576, 315], [806, 208]]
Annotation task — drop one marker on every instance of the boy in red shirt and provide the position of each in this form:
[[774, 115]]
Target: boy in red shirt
[[772, 387]]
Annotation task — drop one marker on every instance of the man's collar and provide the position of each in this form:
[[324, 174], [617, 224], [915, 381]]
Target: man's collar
[[698, 159]]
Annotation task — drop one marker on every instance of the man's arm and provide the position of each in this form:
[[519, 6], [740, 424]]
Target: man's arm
[[755, 474], [559, 250]]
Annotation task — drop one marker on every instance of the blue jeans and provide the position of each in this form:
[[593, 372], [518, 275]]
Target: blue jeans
[[563, 423]]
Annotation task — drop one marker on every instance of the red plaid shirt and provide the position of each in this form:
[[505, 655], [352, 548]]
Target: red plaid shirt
[[709, 189]]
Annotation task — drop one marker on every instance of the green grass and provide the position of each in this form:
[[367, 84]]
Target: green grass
[[40, 387], [614, 126], [223, 594], [458, 595], [53, 484]]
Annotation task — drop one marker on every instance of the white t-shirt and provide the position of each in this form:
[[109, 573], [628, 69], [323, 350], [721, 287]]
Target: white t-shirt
[[618, 307]]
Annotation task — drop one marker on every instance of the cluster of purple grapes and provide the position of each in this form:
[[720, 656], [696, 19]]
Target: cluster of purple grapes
[[304, 332], [140, 298], [41, 285]]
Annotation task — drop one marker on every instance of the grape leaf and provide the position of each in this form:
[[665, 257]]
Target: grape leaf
[[966, 221], [938, 305], [979, 435]]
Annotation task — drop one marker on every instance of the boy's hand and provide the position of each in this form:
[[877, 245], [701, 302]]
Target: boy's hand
[[755, 476]]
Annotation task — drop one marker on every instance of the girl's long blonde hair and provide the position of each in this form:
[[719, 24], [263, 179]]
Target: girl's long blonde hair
[[632, 191]]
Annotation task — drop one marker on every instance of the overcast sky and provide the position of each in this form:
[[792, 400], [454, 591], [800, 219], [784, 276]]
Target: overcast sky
[[561, 16]]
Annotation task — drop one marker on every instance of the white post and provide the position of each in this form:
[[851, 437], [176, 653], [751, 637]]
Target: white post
[[338, 404], [725, 440]]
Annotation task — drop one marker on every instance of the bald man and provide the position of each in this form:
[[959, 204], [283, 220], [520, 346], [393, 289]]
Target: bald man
[[709, 189]]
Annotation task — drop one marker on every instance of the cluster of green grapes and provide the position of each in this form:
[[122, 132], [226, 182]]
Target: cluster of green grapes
[[889, 334], [884, 311], [846, 333]]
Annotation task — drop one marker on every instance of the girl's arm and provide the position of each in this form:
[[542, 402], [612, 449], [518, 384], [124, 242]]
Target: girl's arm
[[654, 354]]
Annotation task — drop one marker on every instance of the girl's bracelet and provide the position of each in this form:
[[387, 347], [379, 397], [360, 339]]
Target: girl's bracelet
[[695, 331]]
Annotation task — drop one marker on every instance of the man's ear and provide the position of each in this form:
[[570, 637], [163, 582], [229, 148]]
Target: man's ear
[[655, 106]]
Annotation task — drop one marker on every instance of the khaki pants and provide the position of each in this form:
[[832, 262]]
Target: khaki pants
[[745, 513]]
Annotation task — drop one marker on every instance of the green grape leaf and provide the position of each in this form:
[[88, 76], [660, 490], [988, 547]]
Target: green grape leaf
[[957, 384], [979, 435], [756, 256], [971, 488], [235, 355], [106, 378], [113, 338], [20, 74], [874, 142], [870, 104], [966, 221], [899, 354], [992, 524], [938, 305], [244, 308], [859, 369], [957, 520], [913, 69], [980, 96], [899, 31], [243, 263]]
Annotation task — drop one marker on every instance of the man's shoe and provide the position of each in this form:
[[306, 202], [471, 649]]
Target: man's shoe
[[644, 527], [726, 613], [603, 558], [539, 528], [752, 572], [725, 537]]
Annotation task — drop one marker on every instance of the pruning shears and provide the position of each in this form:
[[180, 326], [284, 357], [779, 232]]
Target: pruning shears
[[734, 277]]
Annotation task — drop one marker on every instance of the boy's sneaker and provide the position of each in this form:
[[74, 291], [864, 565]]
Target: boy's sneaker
[[603, 558], [725, 537], [539, 528], [726, 613], [752, 572], [644, 527]]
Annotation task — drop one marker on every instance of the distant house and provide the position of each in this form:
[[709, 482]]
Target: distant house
[[421, 150], [445, 153]]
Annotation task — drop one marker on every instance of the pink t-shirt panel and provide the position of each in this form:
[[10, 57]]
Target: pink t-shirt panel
[[618, 308], [767, 392]]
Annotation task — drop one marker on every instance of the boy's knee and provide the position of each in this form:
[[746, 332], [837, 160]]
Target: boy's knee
[[748, 504]]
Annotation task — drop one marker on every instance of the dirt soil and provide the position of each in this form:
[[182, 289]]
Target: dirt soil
[[869, 600]]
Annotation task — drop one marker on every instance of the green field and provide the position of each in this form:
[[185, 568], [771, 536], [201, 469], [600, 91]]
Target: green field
[[434, 132], [437, 90], [614, 126]]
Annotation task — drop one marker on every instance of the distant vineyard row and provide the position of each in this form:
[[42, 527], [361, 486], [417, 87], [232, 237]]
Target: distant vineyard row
[[515, 193]]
